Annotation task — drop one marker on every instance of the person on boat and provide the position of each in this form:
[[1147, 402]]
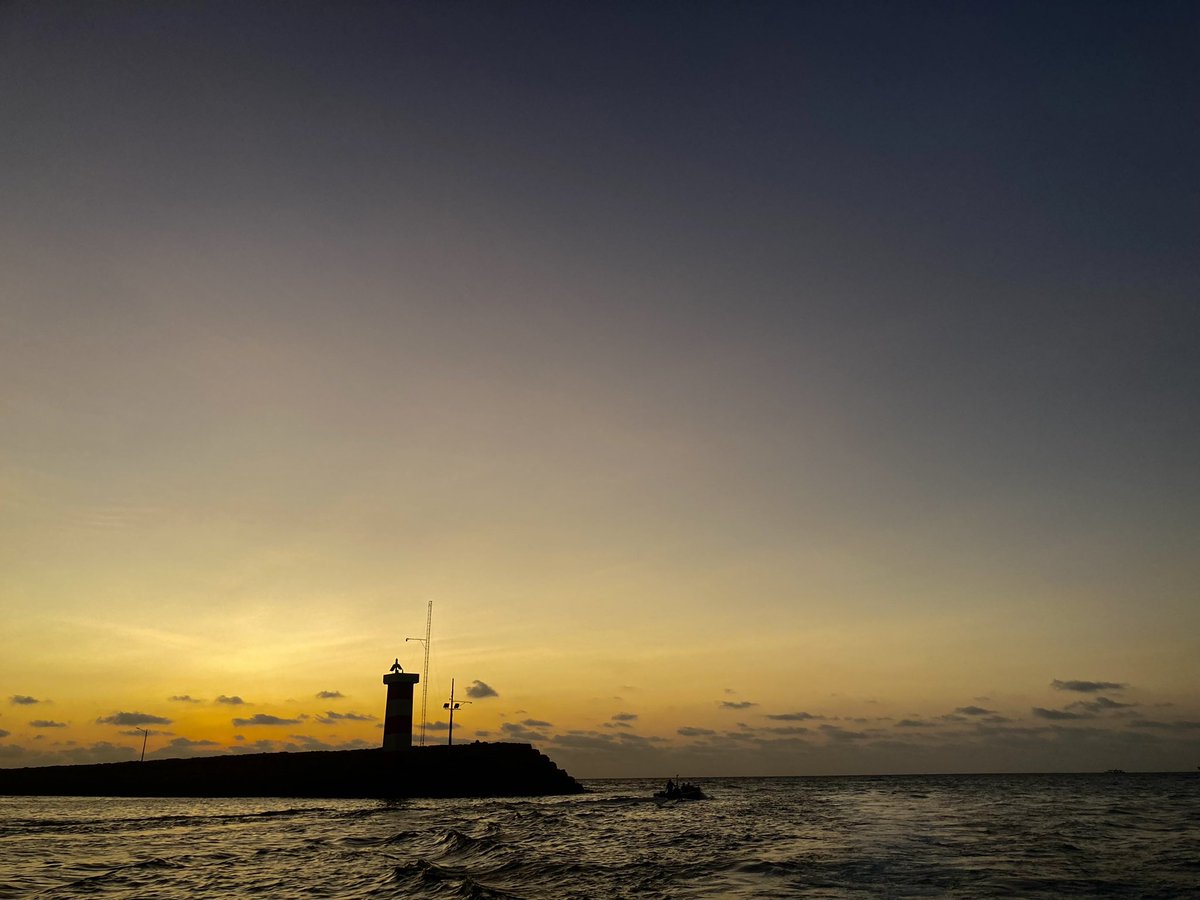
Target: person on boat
[[670, 787]]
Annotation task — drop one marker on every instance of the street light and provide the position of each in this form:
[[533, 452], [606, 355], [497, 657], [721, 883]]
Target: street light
[[452, 706]]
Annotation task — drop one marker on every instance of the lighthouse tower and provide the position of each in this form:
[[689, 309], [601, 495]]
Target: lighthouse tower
[[397, 717]]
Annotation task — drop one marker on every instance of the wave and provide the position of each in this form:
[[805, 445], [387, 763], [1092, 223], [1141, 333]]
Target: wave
[[425, 877]]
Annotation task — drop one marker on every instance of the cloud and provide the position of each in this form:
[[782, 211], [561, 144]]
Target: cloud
[[182, 698], [537, 723], [974, 711], [132, 718], [101, 751], [1165, 726], [260, 746], [478, 690], [47, 723], [624, 717], [915, 723], [587, 740], [183, 747], [3, 733], [23, 700], [1087, 687], [308, 742], [689, 731], [1100, 704], [834, 733], [793, 717], [1058, 715], [329, 695], [231, 701], [138, 732], [264, 719], [741, 704], [332, 718], [787, 730], [522, 733]]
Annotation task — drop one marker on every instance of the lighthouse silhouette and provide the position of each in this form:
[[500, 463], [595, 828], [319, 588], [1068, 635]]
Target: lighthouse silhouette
[[397, 716]]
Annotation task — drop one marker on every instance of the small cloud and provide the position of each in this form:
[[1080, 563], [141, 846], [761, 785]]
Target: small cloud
[[740, 704], [264, 719], [624, 717], [833, 732], [1057, 715], [915, 723], [1100, 704], [47, 723], [974, 711], [262, 745], [308, 742], [437, 726], [478, 690], [522, 733], [102, 751], [23, 700], [188, 742], [132, 718], [138, 732], [182, 698], [536, 723], [239, 737], [793, 717], [689, 731], [1166, 726], [332, 718], [1087, 687], [329, 695], [230, 701], [3, 733], [182, 747]]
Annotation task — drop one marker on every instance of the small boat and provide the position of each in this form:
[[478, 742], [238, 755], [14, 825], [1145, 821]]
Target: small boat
[[683, 791]]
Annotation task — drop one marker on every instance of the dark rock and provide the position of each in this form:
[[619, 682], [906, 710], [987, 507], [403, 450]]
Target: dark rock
[[463, 770]]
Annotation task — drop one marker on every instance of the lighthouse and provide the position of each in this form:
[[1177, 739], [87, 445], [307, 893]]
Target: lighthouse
[[397, 716]]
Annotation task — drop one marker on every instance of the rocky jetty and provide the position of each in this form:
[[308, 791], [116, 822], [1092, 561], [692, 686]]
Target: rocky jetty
[[463, 770]]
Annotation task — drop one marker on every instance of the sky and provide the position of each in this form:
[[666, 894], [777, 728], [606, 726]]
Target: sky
[[754, 388]]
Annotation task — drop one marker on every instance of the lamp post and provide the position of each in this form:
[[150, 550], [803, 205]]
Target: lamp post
[[452, 706], [145, 737]]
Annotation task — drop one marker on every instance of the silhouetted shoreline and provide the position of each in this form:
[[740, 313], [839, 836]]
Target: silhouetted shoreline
[[463, 770]]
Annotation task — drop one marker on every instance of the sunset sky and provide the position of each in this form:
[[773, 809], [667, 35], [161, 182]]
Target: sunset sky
[[755, 388]]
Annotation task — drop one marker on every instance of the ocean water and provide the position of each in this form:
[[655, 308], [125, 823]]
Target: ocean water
[[927, 836]]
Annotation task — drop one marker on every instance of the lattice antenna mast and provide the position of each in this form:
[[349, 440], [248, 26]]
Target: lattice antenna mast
[[425, 671]]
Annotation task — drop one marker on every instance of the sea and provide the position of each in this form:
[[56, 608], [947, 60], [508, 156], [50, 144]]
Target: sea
[[1135, 835]]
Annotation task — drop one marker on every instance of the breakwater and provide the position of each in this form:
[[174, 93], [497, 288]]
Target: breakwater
[[464, 770]]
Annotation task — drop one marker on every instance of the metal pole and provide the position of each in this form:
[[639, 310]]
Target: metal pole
[[425, 671]]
